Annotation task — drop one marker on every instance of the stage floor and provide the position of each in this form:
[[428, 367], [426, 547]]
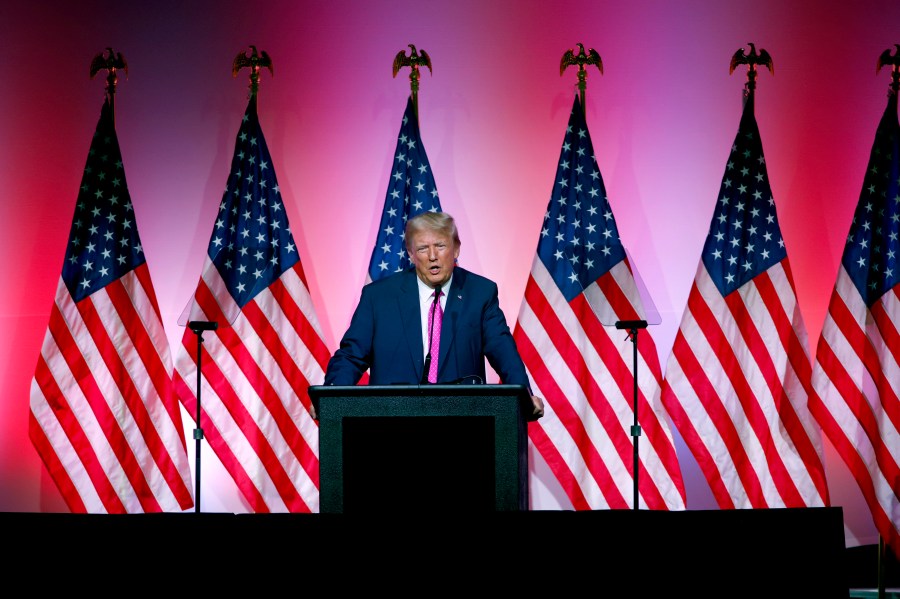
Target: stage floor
[[756, 553]]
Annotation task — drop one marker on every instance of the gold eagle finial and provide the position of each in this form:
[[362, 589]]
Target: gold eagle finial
[[762, 58], [892, 60], [110, 61], [255, 61], [582, 58], [888, 59], [414, 60]]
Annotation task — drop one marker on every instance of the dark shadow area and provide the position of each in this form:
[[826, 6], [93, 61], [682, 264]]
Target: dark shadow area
[[604, 553], [419, 464], [863, 568]]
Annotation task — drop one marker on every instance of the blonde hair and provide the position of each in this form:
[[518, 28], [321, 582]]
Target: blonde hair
[[439, 222]]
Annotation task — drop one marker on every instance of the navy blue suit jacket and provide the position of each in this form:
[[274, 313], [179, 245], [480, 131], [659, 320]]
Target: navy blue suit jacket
[[385, 335]]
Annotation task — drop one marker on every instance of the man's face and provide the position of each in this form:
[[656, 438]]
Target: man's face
[[434, 255]]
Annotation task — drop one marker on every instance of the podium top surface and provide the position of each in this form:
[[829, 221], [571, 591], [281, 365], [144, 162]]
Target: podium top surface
[[317, 392]]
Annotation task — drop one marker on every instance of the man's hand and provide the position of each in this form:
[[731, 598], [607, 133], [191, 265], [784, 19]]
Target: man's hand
[[538, 405]]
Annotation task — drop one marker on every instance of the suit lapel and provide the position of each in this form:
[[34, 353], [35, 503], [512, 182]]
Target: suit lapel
[[408, 305], [451, 315]]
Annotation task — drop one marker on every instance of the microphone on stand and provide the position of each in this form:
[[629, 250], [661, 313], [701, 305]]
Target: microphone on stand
[[437, 298], [202, 325]]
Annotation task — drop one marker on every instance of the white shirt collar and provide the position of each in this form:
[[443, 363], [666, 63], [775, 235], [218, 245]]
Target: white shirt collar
[[426, 293]]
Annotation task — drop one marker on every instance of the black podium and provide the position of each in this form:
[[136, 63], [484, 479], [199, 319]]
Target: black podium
[[422, 448]]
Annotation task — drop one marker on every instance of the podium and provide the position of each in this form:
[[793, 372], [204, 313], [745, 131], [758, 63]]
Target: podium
[[422, 448]]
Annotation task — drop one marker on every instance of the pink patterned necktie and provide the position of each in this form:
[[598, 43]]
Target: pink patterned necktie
[[434, 325]]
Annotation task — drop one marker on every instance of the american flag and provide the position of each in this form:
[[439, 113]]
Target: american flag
[[856, 374], [268, 348], [580, 285], [738, 377], [104, 417], [411, 190]]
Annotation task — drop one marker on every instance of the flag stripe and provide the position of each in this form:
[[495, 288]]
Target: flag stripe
[[128, 303], [284, 420], [229, 428], [854, 432], [575, 375], [747, 427], [875, 489], [886, 313], [64, 431], [857, 418], [771, 324], [701, 431], [545, 384], [701, 332], [258, 364], [779, 306], [104, 418], [85, 373], [293, 299], [738, 377], [131, 447], [618, 286], [242, 401], [620, 393], [864, 433], [66, 484], [581, 284], [750, 376]]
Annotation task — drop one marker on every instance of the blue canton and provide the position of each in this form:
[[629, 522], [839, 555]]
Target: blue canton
[[744, 238], [411, 190], [103, 242], [870, 256], [251, 244], [579, 239]]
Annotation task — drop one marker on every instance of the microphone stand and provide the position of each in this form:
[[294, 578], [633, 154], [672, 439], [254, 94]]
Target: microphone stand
[[632, 327], [198, 326]]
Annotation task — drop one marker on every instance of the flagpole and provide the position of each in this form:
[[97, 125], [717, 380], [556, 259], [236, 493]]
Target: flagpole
[[112, 62], [254, 61], [415, 59], [581, 59], [592, 57]]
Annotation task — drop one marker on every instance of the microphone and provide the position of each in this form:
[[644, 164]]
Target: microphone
[[476, 380], [631, 324], [437, 298], [202, 325]]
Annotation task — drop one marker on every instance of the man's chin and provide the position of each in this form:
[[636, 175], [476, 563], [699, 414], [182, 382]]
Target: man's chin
[[436, 279]]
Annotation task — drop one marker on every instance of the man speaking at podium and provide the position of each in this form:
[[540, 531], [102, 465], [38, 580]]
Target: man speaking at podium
[[434, 324]]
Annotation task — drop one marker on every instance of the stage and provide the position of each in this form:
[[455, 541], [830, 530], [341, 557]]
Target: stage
[[607, 553]]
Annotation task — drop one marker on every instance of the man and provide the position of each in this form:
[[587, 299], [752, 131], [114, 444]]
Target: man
[[391, 332]]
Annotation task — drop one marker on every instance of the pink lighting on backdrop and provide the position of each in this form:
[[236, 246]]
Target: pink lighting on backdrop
[[662, 117]]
